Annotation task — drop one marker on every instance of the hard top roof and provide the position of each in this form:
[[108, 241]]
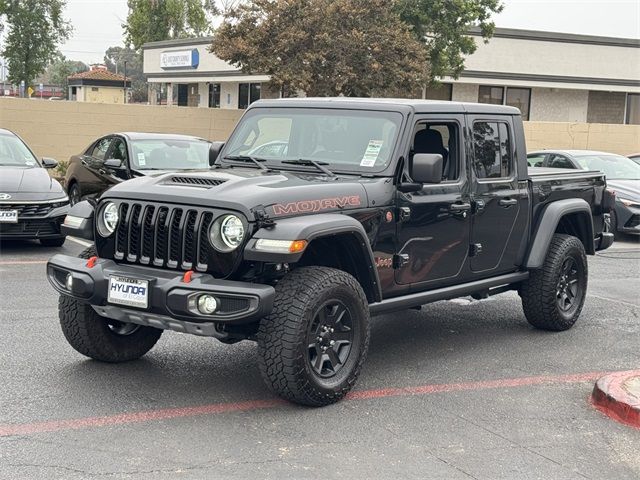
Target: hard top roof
[[389, 104], [156, 136]]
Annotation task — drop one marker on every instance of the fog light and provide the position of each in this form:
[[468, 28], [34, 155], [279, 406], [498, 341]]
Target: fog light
[[69, 282], [207, 304]]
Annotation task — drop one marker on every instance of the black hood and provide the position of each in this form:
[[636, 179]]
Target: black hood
[[625, 188], [29, 184], [280, 193]]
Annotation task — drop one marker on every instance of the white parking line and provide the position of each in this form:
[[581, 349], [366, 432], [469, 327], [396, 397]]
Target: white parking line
[[81, 242]]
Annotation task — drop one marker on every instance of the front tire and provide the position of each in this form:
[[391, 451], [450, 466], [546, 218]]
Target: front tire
[[553, 296], [75, 195], [313, 344]]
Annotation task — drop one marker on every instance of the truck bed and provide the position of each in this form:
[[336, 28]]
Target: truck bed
[[537, 174]]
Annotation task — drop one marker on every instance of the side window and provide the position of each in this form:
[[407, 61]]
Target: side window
[[119, 150], [100, 149], [559, 161], [492, 150], [441, 138], [535, 160]]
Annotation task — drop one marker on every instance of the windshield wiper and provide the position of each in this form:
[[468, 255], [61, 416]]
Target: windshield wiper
[[311, 163], [248, 158]]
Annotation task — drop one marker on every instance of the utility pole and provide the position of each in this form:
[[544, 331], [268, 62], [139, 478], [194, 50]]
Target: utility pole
[[125, 81]]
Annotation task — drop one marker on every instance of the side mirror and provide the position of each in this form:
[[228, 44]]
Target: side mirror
[[49, 162], [214, 151], [113, 163], [426, 168]]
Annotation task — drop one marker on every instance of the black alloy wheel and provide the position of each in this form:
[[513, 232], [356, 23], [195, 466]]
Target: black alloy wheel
[[330, 339]]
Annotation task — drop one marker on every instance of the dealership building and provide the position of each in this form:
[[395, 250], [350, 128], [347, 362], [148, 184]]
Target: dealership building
[[548, 76]]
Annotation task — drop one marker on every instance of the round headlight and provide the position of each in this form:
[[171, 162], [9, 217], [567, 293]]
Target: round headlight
[[226, 233], [108, 221]]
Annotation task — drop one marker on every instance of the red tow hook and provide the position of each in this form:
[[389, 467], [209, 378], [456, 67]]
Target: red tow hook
[[92, 262], [187, 276]]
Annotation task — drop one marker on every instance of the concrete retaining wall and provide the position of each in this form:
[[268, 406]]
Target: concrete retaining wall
[[61, 129]]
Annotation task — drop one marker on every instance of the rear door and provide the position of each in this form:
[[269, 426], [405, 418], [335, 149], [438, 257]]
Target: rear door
[[92, 179], [499, 199]]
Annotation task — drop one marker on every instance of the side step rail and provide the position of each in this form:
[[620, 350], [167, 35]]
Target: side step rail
[[421, 298]]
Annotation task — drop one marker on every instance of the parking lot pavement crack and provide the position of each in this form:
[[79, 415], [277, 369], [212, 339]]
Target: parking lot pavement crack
[[452, 465], [517, 444]]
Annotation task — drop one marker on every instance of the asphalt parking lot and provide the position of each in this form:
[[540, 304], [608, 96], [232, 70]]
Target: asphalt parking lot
[[460, 389]]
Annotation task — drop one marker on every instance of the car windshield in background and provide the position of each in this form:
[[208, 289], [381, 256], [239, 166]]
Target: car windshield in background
[[14, 153], [165, 154], [613, 166], [340, 139]]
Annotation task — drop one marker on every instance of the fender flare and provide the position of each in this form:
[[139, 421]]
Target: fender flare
[[79, 221], [547, 224], [309, 228]]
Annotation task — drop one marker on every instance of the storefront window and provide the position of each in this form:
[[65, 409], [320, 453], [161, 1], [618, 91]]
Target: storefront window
[[439, 92], [492, 95], [633, 109], [519, 98], [214, 95], [248, 93]]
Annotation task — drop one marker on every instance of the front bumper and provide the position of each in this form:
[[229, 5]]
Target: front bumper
[[34, 225], [628, 219], [170, 297]]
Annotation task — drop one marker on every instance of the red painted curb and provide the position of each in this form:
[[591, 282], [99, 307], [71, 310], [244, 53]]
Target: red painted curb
[[617, 395]]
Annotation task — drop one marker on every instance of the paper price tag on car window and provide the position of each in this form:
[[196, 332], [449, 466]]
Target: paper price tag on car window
[[371, 153], [142, 161]]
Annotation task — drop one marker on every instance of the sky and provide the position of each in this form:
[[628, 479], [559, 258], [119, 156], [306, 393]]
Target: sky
[[98, 23]]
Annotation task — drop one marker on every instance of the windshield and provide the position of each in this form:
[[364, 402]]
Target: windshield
[[14, 153], [166, 154], [613, 166], [341, 139]]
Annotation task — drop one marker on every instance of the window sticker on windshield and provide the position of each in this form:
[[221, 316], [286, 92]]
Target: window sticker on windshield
[[142, 161], [371, 153]]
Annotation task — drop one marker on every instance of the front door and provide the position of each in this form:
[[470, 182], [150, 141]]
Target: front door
[[434, 223], [499, 199]]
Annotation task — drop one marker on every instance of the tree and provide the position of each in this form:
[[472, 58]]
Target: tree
[[58, 72], [154, 20], [35, 30], [115, 58], [444, 24], [324, 47]]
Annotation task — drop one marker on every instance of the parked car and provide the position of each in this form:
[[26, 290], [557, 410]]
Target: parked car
[[32, 204], [635, 157], [118, 157], [623, 179], [377, 206]]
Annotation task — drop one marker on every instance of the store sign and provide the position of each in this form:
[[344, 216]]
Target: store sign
[[180, 59]]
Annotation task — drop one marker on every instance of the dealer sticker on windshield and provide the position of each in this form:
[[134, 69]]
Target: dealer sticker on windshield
[[8, 216], [128, 291], [371, 153]]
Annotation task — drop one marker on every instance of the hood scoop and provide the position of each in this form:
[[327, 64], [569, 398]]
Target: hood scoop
[[202, 182]]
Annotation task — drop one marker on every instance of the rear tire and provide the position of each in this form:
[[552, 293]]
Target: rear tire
[[100, 338], [313, 344], [553, 296], [52, 242]]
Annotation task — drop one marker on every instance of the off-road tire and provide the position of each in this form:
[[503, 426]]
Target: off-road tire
[[282, 336], [90, 334], [539, 293], [52, 242]]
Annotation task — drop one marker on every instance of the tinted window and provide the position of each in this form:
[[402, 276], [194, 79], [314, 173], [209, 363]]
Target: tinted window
[[559, 161], [535, 160], [492, 150], [100, 150], [119, 150], [519, 98], [492, 95]]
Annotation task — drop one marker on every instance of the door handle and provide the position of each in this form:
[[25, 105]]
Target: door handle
[[460, 207], [507, 202], [84, 162]]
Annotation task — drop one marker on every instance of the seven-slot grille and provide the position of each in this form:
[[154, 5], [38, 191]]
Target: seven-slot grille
[[163, 236]]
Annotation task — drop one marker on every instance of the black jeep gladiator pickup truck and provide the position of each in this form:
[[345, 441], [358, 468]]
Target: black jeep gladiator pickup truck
[[318, 214]]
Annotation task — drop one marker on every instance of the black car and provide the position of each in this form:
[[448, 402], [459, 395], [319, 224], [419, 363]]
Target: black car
[[121, 156], [32, 204], [374, 206], [623, 179]]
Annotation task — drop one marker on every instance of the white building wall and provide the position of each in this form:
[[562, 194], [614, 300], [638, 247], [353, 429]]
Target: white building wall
[[463, 92], [558, 105]]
